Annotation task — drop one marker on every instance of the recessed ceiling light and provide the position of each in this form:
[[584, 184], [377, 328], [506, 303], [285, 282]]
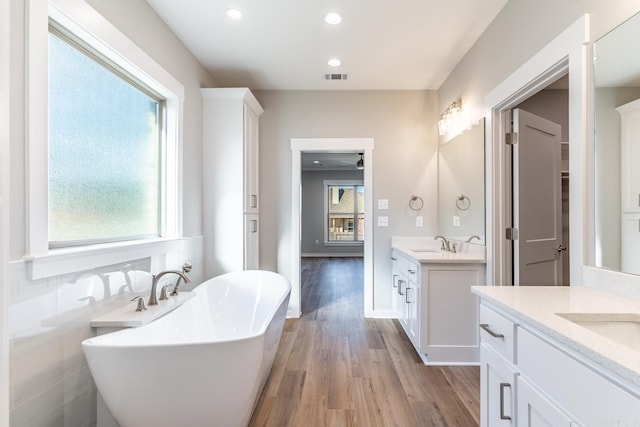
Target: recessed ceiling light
[[333, 18], [234, 14], [334, 62], [316, 162]]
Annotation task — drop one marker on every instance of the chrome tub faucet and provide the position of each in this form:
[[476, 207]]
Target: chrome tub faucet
[[153, 300]]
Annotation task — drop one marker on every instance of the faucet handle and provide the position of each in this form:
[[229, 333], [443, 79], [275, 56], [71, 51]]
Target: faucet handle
[[163, 293], [453, 247], [141, 306]]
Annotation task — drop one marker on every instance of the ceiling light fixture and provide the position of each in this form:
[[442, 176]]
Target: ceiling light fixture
[[333, 18], [334, 62], [360, 163], [449, 122], [234, 14]]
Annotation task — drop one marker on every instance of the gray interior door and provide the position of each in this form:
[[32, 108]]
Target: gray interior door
[[537, 201]]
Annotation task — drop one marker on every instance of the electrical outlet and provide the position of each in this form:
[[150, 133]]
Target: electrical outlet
[[456, 221], [419, 221]]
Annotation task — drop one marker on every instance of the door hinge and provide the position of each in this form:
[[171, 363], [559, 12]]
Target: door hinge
[[511, 138], [511, 233]]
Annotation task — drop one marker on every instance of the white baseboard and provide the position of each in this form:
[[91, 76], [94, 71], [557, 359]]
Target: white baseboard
[[331, 255]]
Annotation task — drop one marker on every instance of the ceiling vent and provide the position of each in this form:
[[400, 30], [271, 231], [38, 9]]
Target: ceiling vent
[[335, 76]]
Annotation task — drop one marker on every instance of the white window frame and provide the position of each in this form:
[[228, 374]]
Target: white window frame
[[91, 27], [326, 184]]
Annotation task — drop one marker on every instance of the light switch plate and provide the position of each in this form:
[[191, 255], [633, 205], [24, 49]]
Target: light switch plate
[[383, 221], [419, 221], [383, 204], [456, 221]]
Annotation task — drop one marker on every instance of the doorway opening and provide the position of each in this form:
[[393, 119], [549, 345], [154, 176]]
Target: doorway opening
[[538, 158], [332, 231], [567, 55], [347, 234]]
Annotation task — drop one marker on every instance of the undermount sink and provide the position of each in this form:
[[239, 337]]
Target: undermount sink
[[624, 328], [433, 251]]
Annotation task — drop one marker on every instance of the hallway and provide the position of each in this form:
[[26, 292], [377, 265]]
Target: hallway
[[336, 368]]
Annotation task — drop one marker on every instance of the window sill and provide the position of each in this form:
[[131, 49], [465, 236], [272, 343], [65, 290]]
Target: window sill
[[344, 243], [69, 260]]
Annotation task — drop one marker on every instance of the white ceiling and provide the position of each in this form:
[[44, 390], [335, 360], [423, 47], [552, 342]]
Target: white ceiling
[[285, 44], [329, 161]]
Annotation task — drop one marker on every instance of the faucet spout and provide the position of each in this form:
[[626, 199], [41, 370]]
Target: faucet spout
[[153, 300], [445, 243]]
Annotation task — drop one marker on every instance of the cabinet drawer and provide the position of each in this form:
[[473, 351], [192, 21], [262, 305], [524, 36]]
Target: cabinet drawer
[[498, 332], [583, 392]]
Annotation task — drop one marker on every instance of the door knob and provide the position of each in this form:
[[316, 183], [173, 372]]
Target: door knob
[[561, 248]]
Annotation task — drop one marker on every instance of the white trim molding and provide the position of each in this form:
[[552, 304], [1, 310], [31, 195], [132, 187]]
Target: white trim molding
[[5, 123], [567, 53], [333, 145], [85, 22]]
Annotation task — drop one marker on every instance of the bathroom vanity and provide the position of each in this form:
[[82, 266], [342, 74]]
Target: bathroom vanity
[[432, 299], [560, 356]]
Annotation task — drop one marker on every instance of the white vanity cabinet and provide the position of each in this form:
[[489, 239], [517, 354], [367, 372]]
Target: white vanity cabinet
[[231, 186], [529, 379], [435, 307], [406, 295]]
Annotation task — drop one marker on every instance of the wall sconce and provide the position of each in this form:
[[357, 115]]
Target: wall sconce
[[450, 118]]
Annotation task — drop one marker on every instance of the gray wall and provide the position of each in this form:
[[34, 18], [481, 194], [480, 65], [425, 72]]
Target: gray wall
[[313, 217], [403, 125], [520, 30]]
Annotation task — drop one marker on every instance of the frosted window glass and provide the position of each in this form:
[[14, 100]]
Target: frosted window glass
[[104, 152]]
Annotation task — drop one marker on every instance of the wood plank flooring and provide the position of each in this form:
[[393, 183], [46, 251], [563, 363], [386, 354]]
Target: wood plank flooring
[[336, 368]]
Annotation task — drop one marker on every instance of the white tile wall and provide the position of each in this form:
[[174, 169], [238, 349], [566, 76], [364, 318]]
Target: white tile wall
[[50, 382]]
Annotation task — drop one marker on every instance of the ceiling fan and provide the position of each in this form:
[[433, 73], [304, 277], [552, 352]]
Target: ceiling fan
[[359, 163]]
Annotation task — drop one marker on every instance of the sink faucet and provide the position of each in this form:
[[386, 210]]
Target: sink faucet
[[473, 237], [156, 278], [445, 243]]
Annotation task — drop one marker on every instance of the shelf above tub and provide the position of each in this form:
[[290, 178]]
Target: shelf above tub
[[128, 317]]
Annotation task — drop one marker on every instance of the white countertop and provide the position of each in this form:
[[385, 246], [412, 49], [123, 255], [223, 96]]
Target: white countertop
[[128, 317], [427, 250], [537, 307]]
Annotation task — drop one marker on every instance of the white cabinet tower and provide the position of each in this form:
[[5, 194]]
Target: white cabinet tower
[[231, 220]]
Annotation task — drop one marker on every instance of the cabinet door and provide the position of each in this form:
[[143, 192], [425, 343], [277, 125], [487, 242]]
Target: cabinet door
[[630, 237], [251, 157], [497, 383], [630, 151], [403, 312], [251, 242], [535, 410], [411, 298]]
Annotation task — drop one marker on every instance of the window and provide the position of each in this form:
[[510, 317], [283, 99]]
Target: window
[[104, 148], [344, 202]]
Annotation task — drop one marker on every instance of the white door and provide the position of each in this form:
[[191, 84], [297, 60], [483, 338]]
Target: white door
[[537, 200]]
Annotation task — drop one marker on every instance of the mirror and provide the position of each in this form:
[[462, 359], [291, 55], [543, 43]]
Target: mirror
[[617, 149], [461, 186]]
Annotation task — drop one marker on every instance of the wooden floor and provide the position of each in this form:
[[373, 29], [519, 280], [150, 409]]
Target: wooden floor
[[336, 368]]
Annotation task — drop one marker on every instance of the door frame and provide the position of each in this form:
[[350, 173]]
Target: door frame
[[330, 145], [568, 53]]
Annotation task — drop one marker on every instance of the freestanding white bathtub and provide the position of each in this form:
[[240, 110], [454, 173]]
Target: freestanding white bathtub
[[203, 364]]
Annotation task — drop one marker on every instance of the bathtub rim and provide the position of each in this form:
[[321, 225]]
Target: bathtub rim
[[97, 341]]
